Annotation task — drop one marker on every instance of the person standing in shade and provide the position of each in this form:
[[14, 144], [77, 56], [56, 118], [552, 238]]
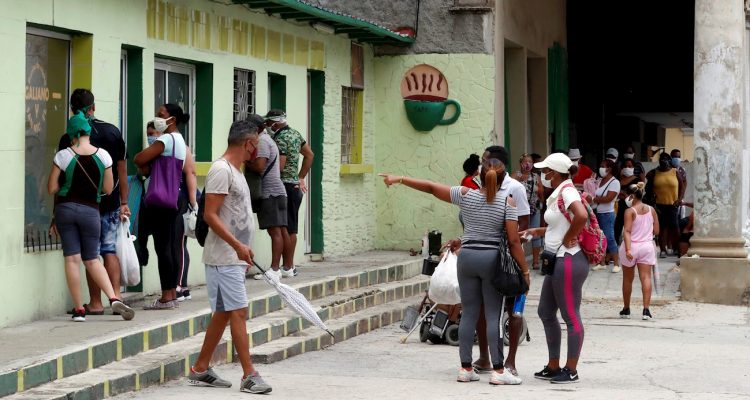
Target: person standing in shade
[[638, 169], [637, 250], [681, 174], [604, 205], [584, 172], [562, 291], [471, 169], [113, 207], [227, 255], [534, 196], [663, 189], [86, 173], [291, 145], [272, 215], [165, 226]]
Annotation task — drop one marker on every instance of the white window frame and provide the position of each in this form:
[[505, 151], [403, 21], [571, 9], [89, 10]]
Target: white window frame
[[124, 95], [186, 69]]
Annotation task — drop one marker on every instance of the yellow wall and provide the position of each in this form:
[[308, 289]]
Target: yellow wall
[[675, 138]]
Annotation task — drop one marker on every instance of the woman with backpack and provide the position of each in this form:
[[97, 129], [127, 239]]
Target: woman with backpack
[[604, 203], [86, 173], [486, 216], [638, 249], [565, 265], [162, 201]]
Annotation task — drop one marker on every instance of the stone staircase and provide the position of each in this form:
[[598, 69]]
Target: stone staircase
[[351, 304]]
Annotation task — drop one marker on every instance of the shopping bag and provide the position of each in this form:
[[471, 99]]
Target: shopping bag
[[444, 282], [130, 271], [190, 220], [655, 273]]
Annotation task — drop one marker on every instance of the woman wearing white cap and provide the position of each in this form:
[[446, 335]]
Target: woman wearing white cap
[[562, 286]]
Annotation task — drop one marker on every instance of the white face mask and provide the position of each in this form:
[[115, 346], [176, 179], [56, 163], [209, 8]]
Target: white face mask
[[629, 156], [628, 171], [603, 172], [576, 162], [629, 201], [546, 182], [160, 124]]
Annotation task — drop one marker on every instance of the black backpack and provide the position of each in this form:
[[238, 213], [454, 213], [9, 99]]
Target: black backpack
[[201, 227]]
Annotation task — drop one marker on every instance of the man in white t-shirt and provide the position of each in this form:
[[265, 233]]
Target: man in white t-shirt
[[516, 190], [227, 255]]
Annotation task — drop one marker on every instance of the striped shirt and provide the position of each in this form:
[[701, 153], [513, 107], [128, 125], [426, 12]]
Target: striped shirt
[[482, 221]]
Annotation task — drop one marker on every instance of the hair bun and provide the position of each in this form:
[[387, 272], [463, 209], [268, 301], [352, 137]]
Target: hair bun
[[640, 185]]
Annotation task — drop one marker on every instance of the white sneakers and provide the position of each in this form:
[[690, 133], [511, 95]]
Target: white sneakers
[[467, 375], [598, 267], [616, 269], [280, 273], [506, 378], [288, 273], [271, 273]]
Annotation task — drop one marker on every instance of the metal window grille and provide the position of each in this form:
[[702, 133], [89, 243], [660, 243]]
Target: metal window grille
[[348, 112], [36, 240], [244, 93]]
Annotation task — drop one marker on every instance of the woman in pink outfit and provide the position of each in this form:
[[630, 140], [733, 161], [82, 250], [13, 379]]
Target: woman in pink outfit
[[638, 250]]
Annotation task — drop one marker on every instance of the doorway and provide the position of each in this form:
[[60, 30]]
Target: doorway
[[314, 213]]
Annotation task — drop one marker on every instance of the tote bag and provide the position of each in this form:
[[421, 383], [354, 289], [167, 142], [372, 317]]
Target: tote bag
[[164, 187]]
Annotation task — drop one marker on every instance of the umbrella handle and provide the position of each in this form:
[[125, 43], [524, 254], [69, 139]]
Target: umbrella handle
[[262, 271]]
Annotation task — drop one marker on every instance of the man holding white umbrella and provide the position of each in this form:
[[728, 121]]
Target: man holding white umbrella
[[227, 255]]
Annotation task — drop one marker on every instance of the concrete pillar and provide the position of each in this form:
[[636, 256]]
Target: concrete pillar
[[499, 44], [721, 274], [538, 105], [518, 101]]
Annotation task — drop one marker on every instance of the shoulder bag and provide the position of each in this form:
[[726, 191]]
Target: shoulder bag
[[255, 184], [508, 278], [164, 187]]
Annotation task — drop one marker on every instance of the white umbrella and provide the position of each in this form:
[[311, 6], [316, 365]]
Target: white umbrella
[[294, 300]]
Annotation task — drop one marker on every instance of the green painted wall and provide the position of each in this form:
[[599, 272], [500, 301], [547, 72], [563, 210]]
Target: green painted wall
[[404, 215], [33, 285]]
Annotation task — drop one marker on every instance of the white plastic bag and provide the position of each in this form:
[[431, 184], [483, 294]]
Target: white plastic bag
[[189, 220], [444, 281], [130, 270]]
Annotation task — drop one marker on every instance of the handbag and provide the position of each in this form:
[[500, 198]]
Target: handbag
[[255, 184], [548, 259], [508, 278], [164, 187]]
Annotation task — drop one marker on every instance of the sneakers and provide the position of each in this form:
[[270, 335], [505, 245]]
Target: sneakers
[[272, 273], [662, 254], [506, 378], [598, 267], [646, 314], [122, 309], [253, 383], [158, 305], [547, 373], [467, 375], [207, 378], [625, 313], [79, 314], [565, 376], [183, 295], [616, 269], [288, 273]]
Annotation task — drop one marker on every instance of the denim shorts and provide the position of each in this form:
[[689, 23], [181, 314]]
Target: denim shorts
[[108, 239], [79, 227]]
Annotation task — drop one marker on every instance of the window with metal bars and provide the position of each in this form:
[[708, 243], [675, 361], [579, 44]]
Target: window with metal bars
[[351, 125], [244, 93]]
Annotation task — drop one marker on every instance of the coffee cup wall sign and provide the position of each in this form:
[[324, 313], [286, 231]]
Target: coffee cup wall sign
[[425, 93]]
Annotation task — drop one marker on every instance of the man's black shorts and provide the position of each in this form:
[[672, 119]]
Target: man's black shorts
[[294, 201]]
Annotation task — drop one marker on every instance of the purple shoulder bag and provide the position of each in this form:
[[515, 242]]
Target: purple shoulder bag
[[164, 187]]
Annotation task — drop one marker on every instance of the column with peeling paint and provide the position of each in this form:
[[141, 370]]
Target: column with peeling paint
[[718, 112]]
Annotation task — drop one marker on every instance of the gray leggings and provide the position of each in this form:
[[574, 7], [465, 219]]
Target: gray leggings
[[562, 290], [475, 270]]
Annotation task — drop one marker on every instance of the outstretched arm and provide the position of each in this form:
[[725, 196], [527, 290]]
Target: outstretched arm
[[439, 190]]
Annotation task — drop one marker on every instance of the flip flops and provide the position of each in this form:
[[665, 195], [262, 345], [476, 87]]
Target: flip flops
[[481, 370], [89, 312]]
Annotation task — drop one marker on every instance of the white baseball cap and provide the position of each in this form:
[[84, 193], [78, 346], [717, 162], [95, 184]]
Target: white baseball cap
[[557, 162], [612, 152]]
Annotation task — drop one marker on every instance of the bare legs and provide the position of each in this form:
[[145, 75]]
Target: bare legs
[[644, 274], [277, 234], [214, 332], [94, 269]]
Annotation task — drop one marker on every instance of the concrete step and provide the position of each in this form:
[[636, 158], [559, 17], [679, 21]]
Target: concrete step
[[273, 337], [72, 360]]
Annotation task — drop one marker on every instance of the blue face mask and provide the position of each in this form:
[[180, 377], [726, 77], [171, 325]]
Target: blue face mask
[[676, 161], [151, 139]]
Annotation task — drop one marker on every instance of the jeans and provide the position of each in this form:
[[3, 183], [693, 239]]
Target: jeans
[[607, 225]]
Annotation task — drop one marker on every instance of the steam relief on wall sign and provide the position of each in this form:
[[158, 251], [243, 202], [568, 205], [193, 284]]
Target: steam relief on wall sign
[[425, 92]]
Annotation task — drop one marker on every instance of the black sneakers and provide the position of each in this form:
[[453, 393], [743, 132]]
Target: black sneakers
[[625, 313], [646, 314], [565, 376], [547, 373]]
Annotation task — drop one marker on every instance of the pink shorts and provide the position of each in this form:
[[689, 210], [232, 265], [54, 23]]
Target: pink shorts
[[643, 253]]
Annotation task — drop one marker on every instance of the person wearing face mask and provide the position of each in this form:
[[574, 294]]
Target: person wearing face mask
[[563, 289], [166, 224], [584, 172], [113, 207], [637, 250], [535, 197], [603, 203], [487, 215], [627, 178], [681, 174], [639, 170], [663, 189]]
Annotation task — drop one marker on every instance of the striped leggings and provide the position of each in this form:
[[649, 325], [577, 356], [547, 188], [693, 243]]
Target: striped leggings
[[562, 291]]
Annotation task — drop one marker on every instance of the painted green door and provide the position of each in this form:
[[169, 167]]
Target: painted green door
[[316, 99], [277, 91]]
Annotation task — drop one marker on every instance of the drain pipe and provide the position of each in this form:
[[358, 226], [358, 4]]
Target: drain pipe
[[499, 48]]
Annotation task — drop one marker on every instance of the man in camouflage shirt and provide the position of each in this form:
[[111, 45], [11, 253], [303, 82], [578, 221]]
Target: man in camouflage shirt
[[291, 145]]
